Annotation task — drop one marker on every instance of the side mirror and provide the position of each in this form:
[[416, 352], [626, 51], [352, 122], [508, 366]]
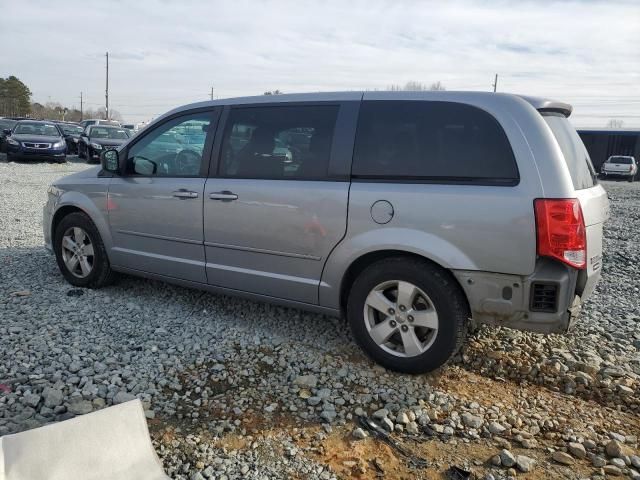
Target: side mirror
[[110, 161], [144, 166], [84, 135], [6, 131]]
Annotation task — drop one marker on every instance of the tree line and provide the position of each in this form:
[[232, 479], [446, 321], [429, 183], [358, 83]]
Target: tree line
[[15, 101], [15, 97]]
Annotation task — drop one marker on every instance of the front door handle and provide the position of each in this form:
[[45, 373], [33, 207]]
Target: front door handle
[[225, 196], [184, 194]]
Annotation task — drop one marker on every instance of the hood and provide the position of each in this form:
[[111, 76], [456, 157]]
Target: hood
[[74, 177], [108, 142], [35, 138]]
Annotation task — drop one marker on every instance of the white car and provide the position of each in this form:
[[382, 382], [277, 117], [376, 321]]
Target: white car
[[621, 165]]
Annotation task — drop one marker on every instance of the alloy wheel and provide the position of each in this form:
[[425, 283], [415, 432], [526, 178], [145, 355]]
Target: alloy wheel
[[401, 318], [77, 252]]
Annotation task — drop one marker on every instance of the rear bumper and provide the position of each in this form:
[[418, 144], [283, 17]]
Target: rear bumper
[[513, 301], [617, 174]]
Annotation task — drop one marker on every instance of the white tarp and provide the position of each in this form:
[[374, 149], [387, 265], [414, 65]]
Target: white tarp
[[110, 444]]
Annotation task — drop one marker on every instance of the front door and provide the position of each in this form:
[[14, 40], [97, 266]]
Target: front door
[[155, 208], [273, 213]]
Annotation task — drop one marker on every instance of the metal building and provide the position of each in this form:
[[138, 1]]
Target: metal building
[[601, 144]]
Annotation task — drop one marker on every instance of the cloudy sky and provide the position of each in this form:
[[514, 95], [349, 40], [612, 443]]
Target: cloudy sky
[[164, 54]]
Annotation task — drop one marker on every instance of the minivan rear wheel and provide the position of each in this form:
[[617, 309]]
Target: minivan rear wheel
[[80, 252], [407, 315]]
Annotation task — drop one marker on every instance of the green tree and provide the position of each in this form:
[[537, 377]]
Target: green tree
[[15, 97]]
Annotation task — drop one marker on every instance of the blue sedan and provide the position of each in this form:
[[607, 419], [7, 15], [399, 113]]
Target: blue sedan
[[36, 140]]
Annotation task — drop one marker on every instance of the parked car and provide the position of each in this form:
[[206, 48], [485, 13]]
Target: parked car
[[6, 124], [72, 134], [414, 214], [620, 166], [97, 138], [130, 128], [35, 140], [97, 121]]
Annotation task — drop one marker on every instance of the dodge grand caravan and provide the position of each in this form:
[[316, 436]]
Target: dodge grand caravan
[[413, 214]]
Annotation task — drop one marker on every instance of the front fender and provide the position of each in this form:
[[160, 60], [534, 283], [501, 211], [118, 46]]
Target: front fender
[[92, 203], [407, 240]]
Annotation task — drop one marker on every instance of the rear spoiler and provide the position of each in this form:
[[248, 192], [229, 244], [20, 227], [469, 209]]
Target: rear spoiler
[[544, 105]]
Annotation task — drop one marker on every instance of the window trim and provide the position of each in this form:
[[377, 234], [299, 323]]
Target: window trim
[[440, 180], [337, 166], [214, 113]]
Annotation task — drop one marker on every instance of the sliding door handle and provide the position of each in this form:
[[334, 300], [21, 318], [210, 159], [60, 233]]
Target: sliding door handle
[[225, 196], [184, 194]]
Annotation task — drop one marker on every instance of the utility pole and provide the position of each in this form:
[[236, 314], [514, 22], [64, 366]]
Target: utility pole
[[106, 91], [212, 92], [495, 84], [81, 111]]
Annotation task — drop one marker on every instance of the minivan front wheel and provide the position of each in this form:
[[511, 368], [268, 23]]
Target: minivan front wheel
[[80, 253], [407, 315]]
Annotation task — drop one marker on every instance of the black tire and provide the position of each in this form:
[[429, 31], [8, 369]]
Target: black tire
[[445, 295], [80, 154], [101, 273], [62, 160], [9, 157]]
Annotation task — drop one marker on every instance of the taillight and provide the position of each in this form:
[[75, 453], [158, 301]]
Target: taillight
[[561, 232]]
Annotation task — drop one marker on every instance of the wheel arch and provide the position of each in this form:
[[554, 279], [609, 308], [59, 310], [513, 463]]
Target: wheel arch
[[363, 261], [77, 202]]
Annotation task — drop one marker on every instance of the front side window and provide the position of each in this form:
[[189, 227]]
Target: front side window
[[174, 149], [284, 142], [432, 141]]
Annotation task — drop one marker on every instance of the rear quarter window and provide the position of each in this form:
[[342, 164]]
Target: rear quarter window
[[437, 142], [573, 150]]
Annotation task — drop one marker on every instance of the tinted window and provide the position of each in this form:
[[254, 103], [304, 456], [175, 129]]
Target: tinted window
[[431, 141], [41, 129], [575, 154], [174, 149], [108, 132], [278, 142], [71, 129], [621, 160]]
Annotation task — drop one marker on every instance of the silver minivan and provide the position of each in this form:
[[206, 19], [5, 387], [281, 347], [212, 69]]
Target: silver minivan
[[413, 214]]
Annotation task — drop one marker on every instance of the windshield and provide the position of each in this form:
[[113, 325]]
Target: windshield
[[622, 160], [108, 132], [573, 150], [6, 124], [71, 129], [41, 129]]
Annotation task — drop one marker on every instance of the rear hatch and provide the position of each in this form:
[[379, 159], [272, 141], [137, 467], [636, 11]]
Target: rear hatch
[[592, 196]]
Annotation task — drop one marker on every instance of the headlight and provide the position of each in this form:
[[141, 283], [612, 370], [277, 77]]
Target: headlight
[[96, 146], [13, 142], [59, 144]]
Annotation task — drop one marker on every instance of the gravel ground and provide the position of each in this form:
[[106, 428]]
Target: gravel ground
[[238, 389]]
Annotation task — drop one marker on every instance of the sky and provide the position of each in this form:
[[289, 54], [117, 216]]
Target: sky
[[168, 53]]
